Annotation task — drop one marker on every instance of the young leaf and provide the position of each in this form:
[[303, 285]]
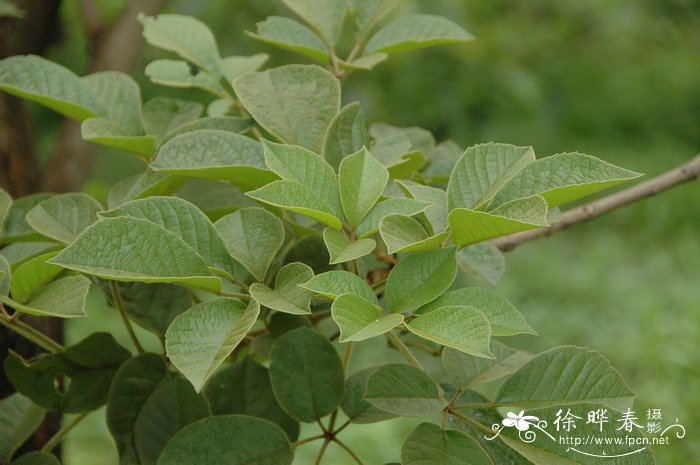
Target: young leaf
[[505, 320], [254, 396], [306, 374], [294, 163], [326, 16], [120, 96], [404, 390], [366, 13], [220, 155], [346, 134], [188, 37], [19, 418], [291, 35], [230, 440], [564, 376], [47, 83], [467, 370], [359, 319], [295, 103], [562, 178], [332, 284], [90, 365], [296, 197], [147, 184], [31, 275], [416, 31], [404, 234], [458, 326], [154, 306], [398, 206], [420, 278], [428, 444], [105, 132], [133, 383], [238, 65], [241, 234], [482, 171], [132, 249], [179, 74], [354, 405], [64, 298], [341, 250], [288, 296], [198, 340], [15, 227], [483, 262], [436, 213], [163, 114], [187, 222], [362, 180], [470, 226], [172, 406], [64, 217]]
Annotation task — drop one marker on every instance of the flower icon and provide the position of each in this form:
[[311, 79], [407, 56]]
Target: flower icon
[[521, 421]]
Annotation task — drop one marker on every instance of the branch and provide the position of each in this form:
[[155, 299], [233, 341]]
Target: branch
[[679, 175]]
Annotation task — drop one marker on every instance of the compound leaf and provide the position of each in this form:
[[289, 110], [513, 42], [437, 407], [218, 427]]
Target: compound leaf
[[341, 250], [64, 298], [334, 283], [359, 319], [404, 390], [405, 234], [346, 134], [63, 217], [326, 16], [416, 31], [428, 444], [467, 370], [288, 296], [362, 180], [291, 35]]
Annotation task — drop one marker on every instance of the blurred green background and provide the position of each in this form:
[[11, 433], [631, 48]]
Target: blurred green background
[[618, 79]]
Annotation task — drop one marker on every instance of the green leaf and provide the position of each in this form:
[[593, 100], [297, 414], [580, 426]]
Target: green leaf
[[405, 234], [16, 254], [254, 397], [326, 16], [404, 390], [5, 203], [470, 226], [294, 163], [64, 298], [443, 162], [421, 139], [359, 319], [362, 180], [30, 276], [428, 444], [306, 374], [36, 458], [147, 184], [105, 132], [561, 179], [120, 96], [347, 134], [483, 262], [163, 114], [19, 418], [291, 35], [200, 339], [219, 123], [355, 406], [365, 63], [131, 249], [420, 278], [215, 199], [296, 197], [237, 65], [288, 296], [482, 171], [215, 154], [180, 74], [467, 370], [5, 275], [371, 222], [184, 220], [416, 31], [52, 85], [90, 365], [241, 234], [295, 103], [133, 383], [172, 406], [188, 37], [505, 320], [366, 13], [458, 326], [341, 250], [436, 213], [542, 450], [15, 227], [64, 217], [230, 440], [409, 163], [154, 306], [563, 376], [334, 283]]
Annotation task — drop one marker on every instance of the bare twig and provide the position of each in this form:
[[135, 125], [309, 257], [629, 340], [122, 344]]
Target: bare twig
[[682, 174]]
